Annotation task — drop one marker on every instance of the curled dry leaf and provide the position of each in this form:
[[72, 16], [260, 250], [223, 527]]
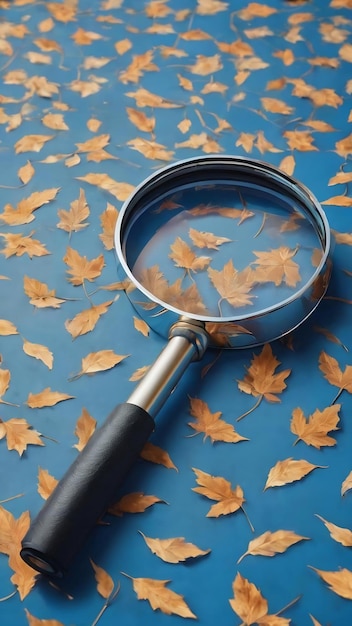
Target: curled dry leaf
[[271, 543], [12, 531], [160, 597], [105, 584], [18, 245], [100, 361], [339, 534], [339, 582], [7, 328], [155, 454], [174, 549], [47, 397], [46, 483], [333, 373], [81, 268], [40, 352], [35, 621], [85, 427], [210, 423], [120, 191], [19, 434], [289, 471], [250, 605], [219, 489], [40, 295], [136, 502], [347, 484], [141, 326], [85, 321], [314, 430]]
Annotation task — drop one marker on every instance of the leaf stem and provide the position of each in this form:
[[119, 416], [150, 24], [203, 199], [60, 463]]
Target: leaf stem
[[337, 396], [107, 603], [248, 520], [19, 495], [260, 398], [9, 596], [287, 606]]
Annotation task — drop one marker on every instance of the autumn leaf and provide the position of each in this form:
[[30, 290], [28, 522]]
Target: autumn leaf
[[85, 427], [45, 398], [276, 265], [81, 268], [55, 121], [18, 245], [233, 285], [210, 7], [183, 256], [272, 543], [120, 191], [99, 362], [35, 621], [40, 352], [108, 222], [5, 377], [154, 454], [210, 423], [73, 219], [12, 531], [334, 375], [151, 149], [40, 295], [46, 483], [160, 597], [274, 105], [219, 489], [7, 328], [19, 434], [339, 582], [23, 213], [173, 550], [289, 471], [141, 326], [203, 239], [347, 484], [206, 65], [314, 430], [339, 534], [85, 321], [300, 140], [26, 173], [31, 143], [105, 584], [140, 120], [251, 607], [136, 502], [145, 98]]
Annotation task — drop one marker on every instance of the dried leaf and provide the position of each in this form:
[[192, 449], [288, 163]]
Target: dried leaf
[[136, 502], [122, 46], [35, 621], [100, 361], [72, 221], [151, 149], [160, 597], [314, 430], [7, 328], [155, 454], [85, 321], [219, 489], [347, 484], [203, 239], [31, 143], [210, 7], [276, 265], [145, 98], [23, 213], [140, 120], [19, 434], [85, 427], [18, 245], [210, 423], [46, 483], [40, 295], [339, 582], [55, 121], [232, 285], [333, 374], [81, 268], [183, 256], [272, 543], [173, 550], [252, 608], [289, 471], [40, 352], [288, 164], [205, 65], [339, 534], [105, 584], [47, 397], [26, 173], [256, 9], [274, 105], [120, 191], [141, 326], [261, 379], [108, 222], [12, 532], [300, 140]]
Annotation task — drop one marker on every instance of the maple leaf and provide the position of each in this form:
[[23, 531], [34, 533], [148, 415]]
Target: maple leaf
[[276, 266], [81, 268], [55, 121], [7, 328], [18, 245], [206, 65], [314, 430], [233, 285], [62, 12], [46, 483], [85, 87], [19, 434], [173, 550], [85, 321], [40, 352], [73, 220], [23, 213], [85, 427], [339, 582], [219, 489], [289, 471], [105, 584], [339, 534], [47, 397], [252, 608], [40, 295], [136, 502], [203, 239], [12, 531], [272, 543], [160, 597], [99, 362], [300, 140], [334, 375], [120, 191], [210, 423], [183, 256], [155, 454]]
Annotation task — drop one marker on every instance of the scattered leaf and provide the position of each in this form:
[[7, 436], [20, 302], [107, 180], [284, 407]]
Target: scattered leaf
[[120, 191], [19, 434], [183, 256], [155, 454], [40, 295], [7, 328], [85, 321], [217, 488], [339, 534], [81, 268], [108, 222], [314, 430], [347, 484], [136, 502], [272, 543], [210, 423], [18, 245], [339, 582], [334, 375], [45, 398], [251, 607], [289, 471], [46, 483], [85, 427], [72, 220], [160, 597], [233, 285], [173, 550], [12, 531], [100, 361], [35, 621], [105, 583], [141, 326]]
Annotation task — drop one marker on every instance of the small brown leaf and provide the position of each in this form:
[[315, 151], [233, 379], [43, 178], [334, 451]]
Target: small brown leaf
[[108, 222], [261, 379], [154, 454], [173, 550], [85, 321], [347, 484], [136, 502], [81, 268], [206, 65], [19, 434], [100, 361], [85, 427], [333, 374], [141, 326], [183, 256], [339, 534], [46, 483], [339, 582], [18, 245], [151, 149], [73, 220], [23, 213], [121, 191], [248, 603], [233, 285], [210, 423], [35, 621], [105, 584], [7, 328], [160, 597], [26, 173], [219, 489], [272, 543], [289, 471], [47, 397], [31, 143], [140, 120], [40, 295], [203, 239], [12, 532], [40, 352], [314, 431]]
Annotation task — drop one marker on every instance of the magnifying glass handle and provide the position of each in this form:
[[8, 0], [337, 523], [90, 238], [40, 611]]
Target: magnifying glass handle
[[90, 485]]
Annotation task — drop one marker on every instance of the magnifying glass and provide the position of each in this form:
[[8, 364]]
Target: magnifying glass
[[222, 252]]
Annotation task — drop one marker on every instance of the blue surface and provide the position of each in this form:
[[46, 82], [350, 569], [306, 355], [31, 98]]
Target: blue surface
[[206, 583]]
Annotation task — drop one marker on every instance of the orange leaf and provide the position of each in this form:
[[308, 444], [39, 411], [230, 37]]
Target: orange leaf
[[314, 430], [232, 285], [73, 220], [105, 584], [347, 484], [136, 502], [85, 427], [26, 173], [120, 191], [19, 434], [108, 222], [210, 7], [35, 621], [23, 213], [7, 328], [46, 398], [154, 454], [276, 265], [339, 534], [140, 120], [160, 597], [55, 121], [145, 98], [256, 9], [210, 423], [46, 483], [183, 256], [339, 582], [286, 56], [151, 149], [141, 326], [173, 550], [40, 295], [31, 143], [289, 471], [333, 374], [248, 603], [203, 239], [300, 140], [80, 268], [274, 105], [272, 543], [100, 361], [12, 532], [219, 489], [261, 379], [62, 12], [205, 65], [85, 321], [37, 351], [17, 245]]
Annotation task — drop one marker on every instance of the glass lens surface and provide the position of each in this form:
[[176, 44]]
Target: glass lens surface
[[221, 249]]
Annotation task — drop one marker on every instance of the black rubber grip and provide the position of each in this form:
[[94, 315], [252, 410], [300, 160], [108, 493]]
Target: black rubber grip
[[85, 492]]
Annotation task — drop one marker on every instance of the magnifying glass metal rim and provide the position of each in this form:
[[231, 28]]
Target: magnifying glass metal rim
[[288, 185]]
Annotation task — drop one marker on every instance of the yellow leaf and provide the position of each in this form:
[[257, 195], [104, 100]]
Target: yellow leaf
[[105, 583], [232, 285], [55, 121], [121, 191], [339, 534], [7, 328], [35, 621], [136, 502], [173, 550], [46, 483], [100, 361], [314, 430], [206, 65], [40, 352], [12, 532], [19, 434], [276, 266], [339, 582], [154, 454], [271, 543], [47, 397], [333, 374], [210, 423], [85, 321], [160, 597], [40, 295], [347, 484], [217, 488], [289, 471], [247, 602], [81, 268], [123, 46], [183, 256], [73, 219], [26, 173], [141, 326], [85, 427], [23, 213], [16, 245], [31, 143]]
